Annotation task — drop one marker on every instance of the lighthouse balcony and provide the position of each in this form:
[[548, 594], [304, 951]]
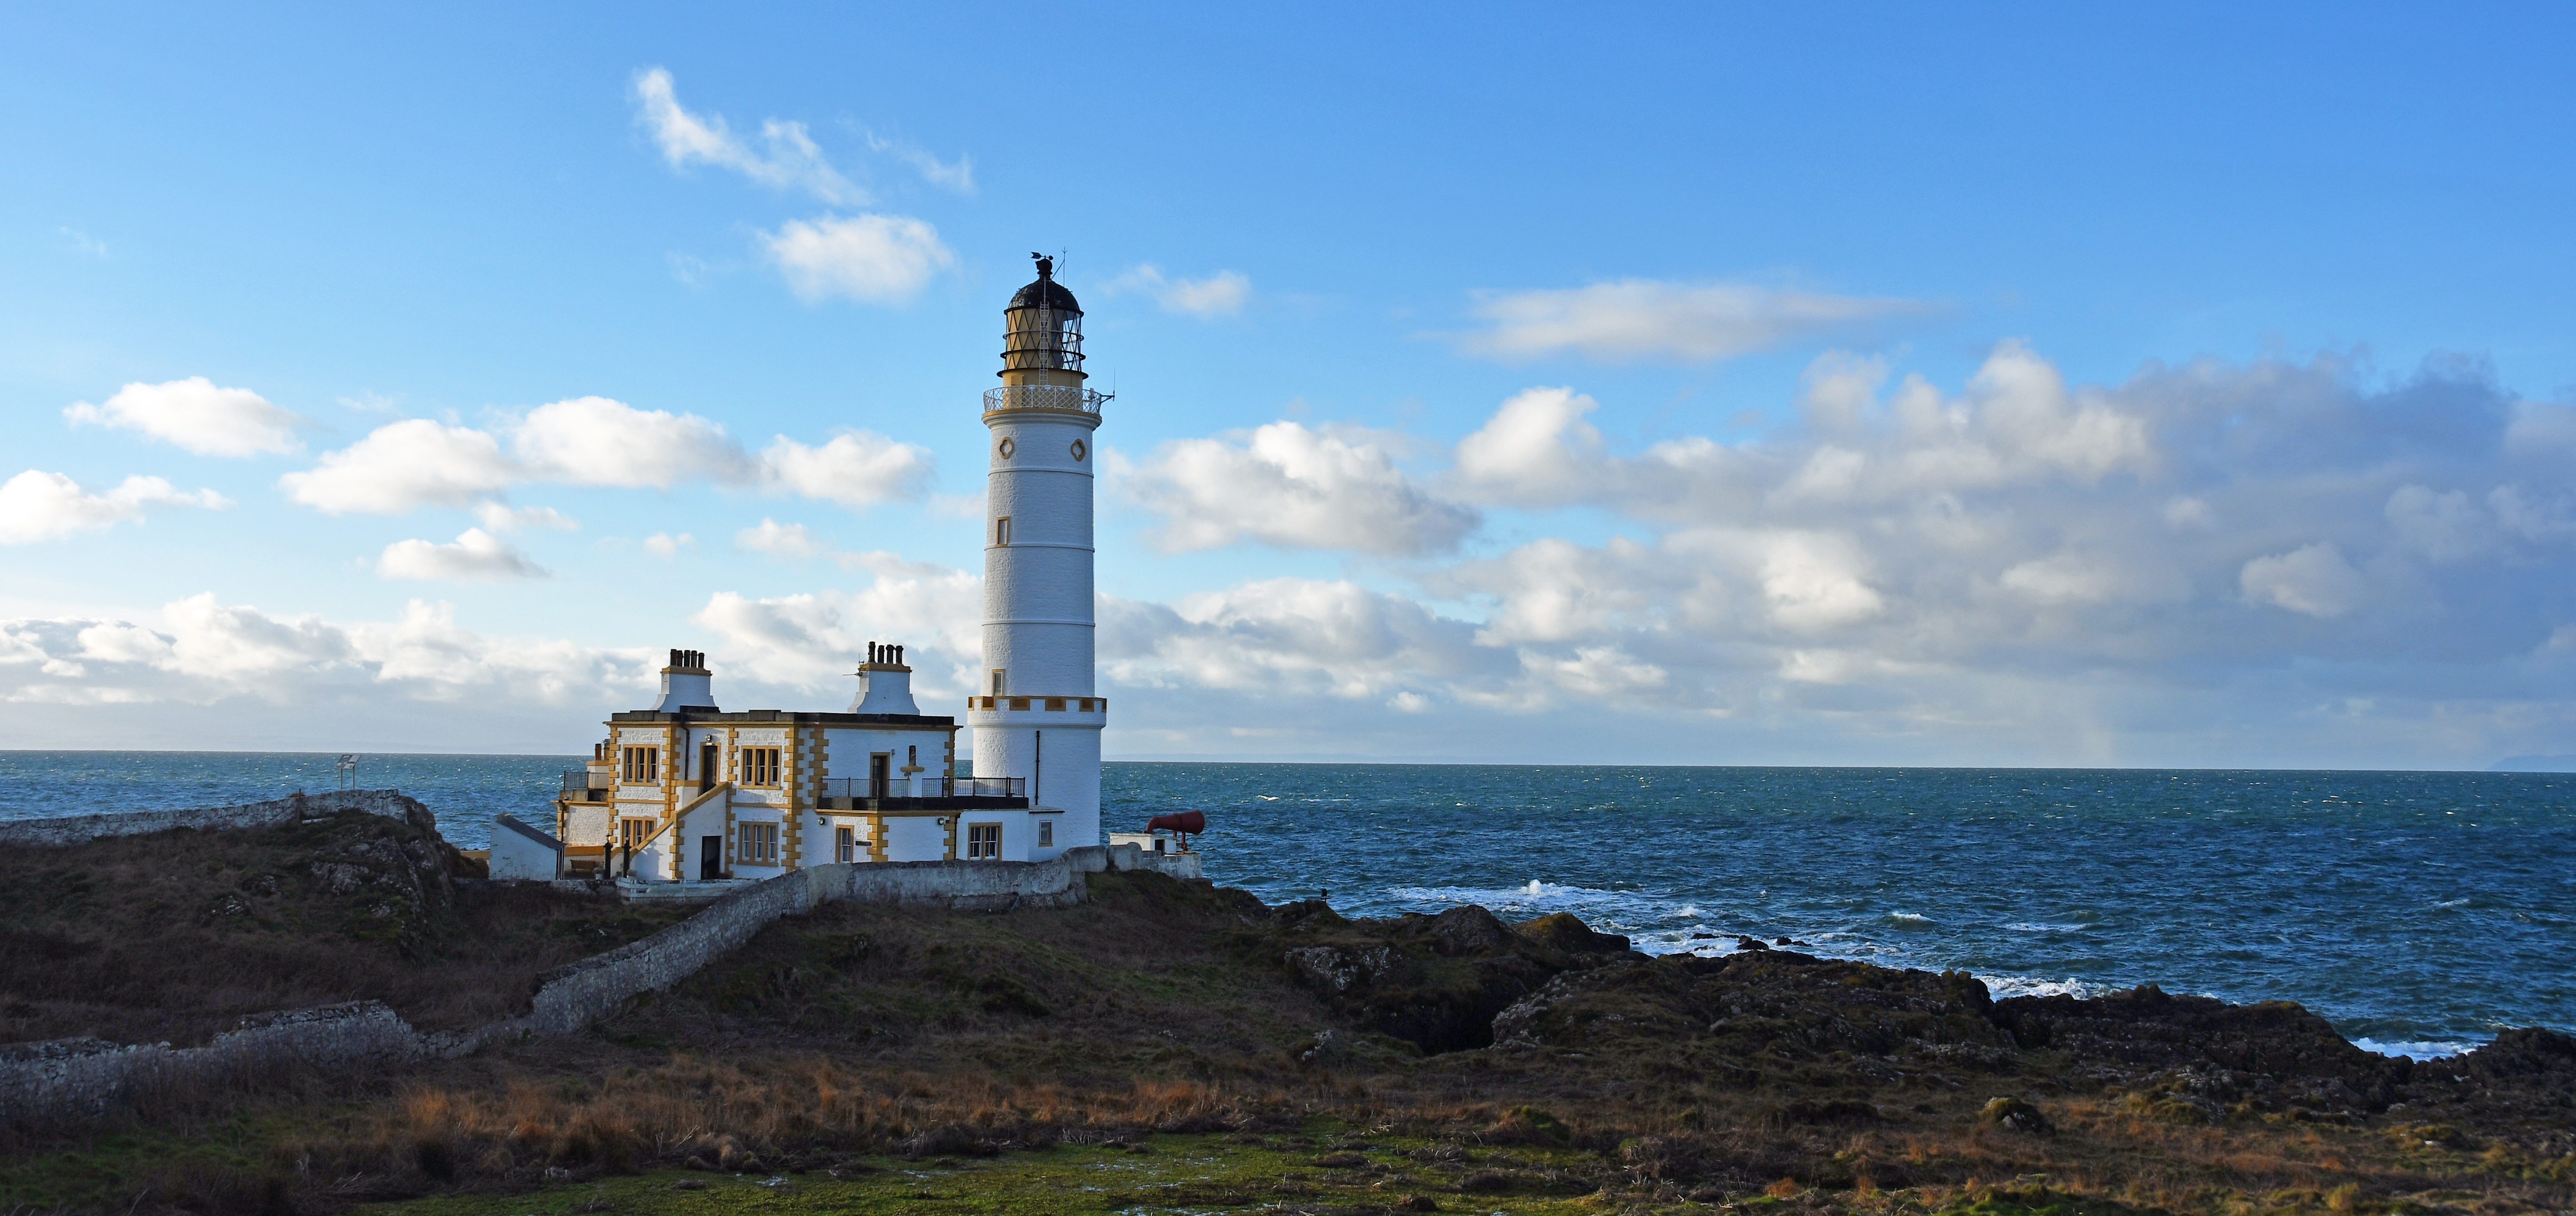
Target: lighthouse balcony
[[1053, 398]]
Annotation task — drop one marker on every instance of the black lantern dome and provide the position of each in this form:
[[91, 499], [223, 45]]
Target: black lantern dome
[[1042, 327]]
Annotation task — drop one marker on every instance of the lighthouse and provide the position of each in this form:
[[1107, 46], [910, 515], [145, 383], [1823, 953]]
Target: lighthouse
[[1035, 713]]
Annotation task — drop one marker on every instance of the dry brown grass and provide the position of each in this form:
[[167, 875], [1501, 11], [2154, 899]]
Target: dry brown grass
[[878, 1030]]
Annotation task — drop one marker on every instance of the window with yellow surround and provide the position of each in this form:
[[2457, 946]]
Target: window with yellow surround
[[983, 842], [640, 765], [756, 844], [760, 766]]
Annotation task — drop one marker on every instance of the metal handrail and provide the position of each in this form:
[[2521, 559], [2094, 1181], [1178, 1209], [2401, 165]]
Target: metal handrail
[[1063, 397], [937, 787]]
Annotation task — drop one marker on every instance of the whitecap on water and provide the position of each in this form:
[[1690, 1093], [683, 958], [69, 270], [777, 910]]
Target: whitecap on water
[[2434, 1050], [2031, 926], [1909, 918], [2452, 903], [2002, 986]]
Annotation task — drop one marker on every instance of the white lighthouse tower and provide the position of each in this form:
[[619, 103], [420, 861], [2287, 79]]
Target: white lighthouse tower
[[1036, 716]]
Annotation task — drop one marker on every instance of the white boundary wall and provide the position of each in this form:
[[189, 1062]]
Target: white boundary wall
[[76, 1077]]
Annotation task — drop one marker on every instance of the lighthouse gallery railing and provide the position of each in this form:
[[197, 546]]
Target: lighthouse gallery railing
[[1065, 398]]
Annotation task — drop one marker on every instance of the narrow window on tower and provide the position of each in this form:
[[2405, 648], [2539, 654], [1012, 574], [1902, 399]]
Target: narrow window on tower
[[1002, 530], [997, 683]]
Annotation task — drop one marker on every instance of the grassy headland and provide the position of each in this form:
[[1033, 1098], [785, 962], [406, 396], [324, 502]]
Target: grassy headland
[[1172, 1047]]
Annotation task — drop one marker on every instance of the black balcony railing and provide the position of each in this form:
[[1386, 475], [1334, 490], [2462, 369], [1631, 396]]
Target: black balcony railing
[[843, 788]]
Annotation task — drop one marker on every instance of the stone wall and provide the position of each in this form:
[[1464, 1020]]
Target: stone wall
[[79, 1077], [80, 829], [87, 1076]]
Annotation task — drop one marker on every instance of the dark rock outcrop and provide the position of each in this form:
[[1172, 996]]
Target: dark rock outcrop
[[1436, 982]]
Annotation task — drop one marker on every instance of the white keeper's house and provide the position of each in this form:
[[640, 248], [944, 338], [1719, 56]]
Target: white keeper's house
[[688, 792]]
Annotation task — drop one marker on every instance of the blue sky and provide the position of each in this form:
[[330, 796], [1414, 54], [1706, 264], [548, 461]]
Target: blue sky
[[1684, 385]]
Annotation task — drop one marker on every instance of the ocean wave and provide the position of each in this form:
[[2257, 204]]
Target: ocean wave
[[2031, 926], [2431, 1050], [2461, 902], [1910, 919], [2001, 986]]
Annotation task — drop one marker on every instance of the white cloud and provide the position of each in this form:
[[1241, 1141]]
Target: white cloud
[[874, 259], [40, 506], [201, 652], [2091, 578], [1646, 319], [2311, 579], [501, 517], [1222, 294], [1290, 636], [475, 556], [854, 468], [592, 441], [1284, 484], [811, 642], [403, 465], [779, 540], [665, 545], [787, 158], [197, 416], [2440, 527], [1536, 451], [957, 175]]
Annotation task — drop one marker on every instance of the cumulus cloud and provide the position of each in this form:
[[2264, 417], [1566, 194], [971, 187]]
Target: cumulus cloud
[[665, 545], [1295, 637], [202, 652], [1284, 484], [787, 158], [593, 441], [2311, 579], [501, 517], [475, 556], [811, 642], [1536, 451], [1636, 319], [403, 465], [854, 469], [1222, 294], [779, 540], [2177, 567], [874, 259], [196, 415], [40, 506]]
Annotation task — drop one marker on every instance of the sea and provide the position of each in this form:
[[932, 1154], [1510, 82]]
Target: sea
[[2420, 912]]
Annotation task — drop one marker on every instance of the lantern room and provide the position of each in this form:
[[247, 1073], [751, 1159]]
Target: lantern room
[[1042, 330]]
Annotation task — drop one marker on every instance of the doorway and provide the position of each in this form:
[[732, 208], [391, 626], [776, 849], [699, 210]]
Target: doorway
[[710, 858], [706, 766], [881, 775]]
